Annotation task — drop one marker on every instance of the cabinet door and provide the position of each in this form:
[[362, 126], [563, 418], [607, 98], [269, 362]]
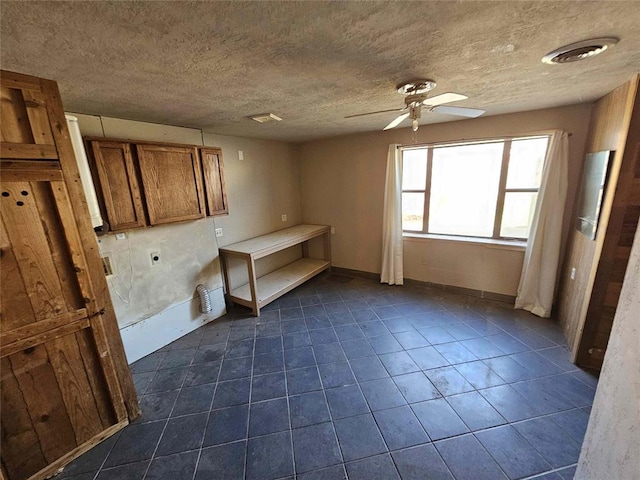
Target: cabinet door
[[214, 187], [172, 182], [118, 183]]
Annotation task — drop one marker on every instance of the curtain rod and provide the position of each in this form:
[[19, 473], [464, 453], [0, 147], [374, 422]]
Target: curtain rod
[[481, 139]]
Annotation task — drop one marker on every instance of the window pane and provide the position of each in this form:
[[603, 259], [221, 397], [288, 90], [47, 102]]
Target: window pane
[[412, 211], [464, 189], [526, 162], [517, 214], [414, 169]]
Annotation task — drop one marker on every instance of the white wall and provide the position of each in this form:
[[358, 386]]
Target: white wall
[[611, 447], [342, 184], [157, 304]]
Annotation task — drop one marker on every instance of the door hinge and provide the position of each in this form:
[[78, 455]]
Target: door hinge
[[101, 312]]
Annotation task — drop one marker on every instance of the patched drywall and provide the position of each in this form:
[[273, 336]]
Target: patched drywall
[[612, 441], [342, 184], [259, 188], [188, 256]]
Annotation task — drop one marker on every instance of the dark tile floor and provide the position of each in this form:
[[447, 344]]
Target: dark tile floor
[[349, 378]]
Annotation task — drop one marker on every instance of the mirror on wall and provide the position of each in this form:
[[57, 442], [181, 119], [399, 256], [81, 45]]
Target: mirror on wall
[[594, 183]]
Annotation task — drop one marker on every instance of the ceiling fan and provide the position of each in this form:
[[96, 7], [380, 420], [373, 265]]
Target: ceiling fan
[[415, 99]]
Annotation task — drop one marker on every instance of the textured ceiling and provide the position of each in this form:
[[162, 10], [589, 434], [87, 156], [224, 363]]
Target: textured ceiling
[[212, 64]]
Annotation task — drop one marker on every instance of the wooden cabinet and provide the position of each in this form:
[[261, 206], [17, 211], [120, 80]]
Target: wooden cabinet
[[65, 383], [141, 183], [213, 174], [172, 182], [117, 187]]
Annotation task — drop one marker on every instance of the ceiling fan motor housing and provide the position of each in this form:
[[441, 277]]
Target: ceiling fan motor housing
[[416, 87]]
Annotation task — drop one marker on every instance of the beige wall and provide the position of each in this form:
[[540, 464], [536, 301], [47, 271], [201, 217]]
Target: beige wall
[[342, 184], [612, 441], [260, 189]]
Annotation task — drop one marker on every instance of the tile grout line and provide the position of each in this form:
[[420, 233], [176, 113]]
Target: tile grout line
[[215, 389]]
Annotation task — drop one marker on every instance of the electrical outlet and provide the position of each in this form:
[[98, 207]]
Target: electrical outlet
[[218, 232], [106, 264], [284, 217], [573, 273], [155, 258], [240, 155], [121, 236], [333, 229]]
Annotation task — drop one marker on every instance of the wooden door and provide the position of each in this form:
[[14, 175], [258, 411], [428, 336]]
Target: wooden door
[[65, 385], [172, 183], [214, 187], [118, 184]]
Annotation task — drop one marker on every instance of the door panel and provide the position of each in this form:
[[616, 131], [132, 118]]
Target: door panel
[[61, 377], [58, 390]]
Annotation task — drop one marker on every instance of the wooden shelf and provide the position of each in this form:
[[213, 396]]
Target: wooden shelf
[[281, 281], [264, 245], [260, 291]]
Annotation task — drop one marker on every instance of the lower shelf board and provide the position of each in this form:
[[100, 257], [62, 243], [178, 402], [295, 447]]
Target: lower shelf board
[[277, 283]]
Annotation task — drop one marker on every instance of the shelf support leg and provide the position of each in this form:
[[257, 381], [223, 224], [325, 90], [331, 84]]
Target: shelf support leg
[[252, 285]]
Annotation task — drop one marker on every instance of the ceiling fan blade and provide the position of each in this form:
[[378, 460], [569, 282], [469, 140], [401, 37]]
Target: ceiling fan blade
[[373, 113], [444, 98], [398, 120], [459, 111]]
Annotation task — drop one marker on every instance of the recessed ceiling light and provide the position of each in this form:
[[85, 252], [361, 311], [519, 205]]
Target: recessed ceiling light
[[579, 50], [266, 117]]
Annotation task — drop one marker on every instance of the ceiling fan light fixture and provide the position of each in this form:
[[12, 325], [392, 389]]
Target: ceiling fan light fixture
[[266, 117], [575, 52], [416, 87]]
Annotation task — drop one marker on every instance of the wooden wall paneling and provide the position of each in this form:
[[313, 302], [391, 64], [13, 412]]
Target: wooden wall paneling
[[95, 375], [14, 297], [22, 455], [607, 131], [64, 263], [172, 182], [31, 249], [38, 118], [25, 130], [38, 383], [94, 308], [118, 184], [620, 229], [87, 237], [68, 367], [214, 185], [15, 121]]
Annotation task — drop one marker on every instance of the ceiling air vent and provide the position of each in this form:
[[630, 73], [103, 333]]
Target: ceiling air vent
[[266, 117], [579, 50]]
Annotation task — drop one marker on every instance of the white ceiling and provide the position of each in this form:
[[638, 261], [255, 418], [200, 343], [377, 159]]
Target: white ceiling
[[212, 64]]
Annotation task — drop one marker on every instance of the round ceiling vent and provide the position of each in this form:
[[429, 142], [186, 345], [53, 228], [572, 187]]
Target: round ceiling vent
[[579, 50]]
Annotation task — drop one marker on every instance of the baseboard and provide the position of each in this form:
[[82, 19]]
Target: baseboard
[[499, 297], [447, 288], [355, 273], [148, 335]]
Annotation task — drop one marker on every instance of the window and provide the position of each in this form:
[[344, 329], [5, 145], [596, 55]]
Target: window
[[483, 189]]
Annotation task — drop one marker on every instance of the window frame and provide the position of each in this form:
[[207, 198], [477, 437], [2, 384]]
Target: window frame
[[502, 185]]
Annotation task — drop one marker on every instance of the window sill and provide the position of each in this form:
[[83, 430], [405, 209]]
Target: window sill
[[518, 245]]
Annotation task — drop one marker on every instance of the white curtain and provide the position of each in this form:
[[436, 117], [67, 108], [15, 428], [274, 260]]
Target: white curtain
[[541, 260], [392, 220]]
